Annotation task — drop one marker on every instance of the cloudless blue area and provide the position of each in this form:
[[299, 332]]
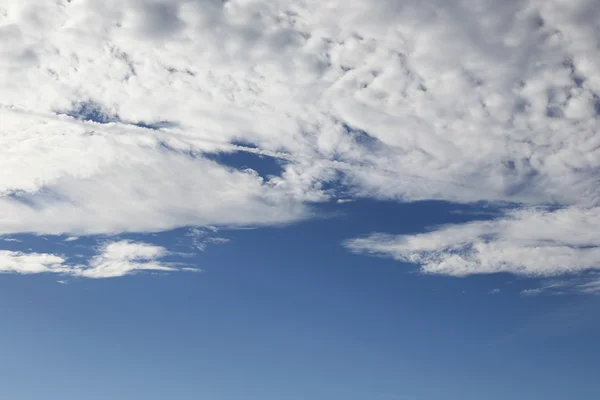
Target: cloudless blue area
[[289, 314], [263, 165]]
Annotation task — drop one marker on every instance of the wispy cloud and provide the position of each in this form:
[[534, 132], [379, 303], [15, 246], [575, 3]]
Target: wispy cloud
[[587, 283], [114, 259], [11, 240], [202, 237], [535, 242], [124, 258]]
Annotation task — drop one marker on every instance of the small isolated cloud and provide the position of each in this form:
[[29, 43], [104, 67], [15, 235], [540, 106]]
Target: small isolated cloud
[[114, 259], [12, 240], [31, 263], [217, 240], [189, 269], [124, 258], [532, 292], [202, 237], [71, 239]]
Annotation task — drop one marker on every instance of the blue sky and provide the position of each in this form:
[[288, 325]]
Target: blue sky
[[252, 199], [289, 313]]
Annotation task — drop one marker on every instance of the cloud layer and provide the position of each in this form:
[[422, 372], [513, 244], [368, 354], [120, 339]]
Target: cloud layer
[[111, 110]]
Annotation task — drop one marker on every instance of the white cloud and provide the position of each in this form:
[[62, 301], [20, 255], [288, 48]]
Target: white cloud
[[532, 242], [123, 258], [404, 100], [190, 269], [30, 263], [104, 182], [114, 259]]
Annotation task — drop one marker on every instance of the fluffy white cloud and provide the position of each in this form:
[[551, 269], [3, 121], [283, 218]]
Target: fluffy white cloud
[[65, 177], [30, 263], [406, 100], [526, 242], [114, 259]]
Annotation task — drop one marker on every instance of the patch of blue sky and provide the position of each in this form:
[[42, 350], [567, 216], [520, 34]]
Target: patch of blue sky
[[95, 112], [266, 312], [264, 165]]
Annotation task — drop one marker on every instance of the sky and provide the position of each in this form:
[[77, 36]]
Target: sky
[[251, 199]]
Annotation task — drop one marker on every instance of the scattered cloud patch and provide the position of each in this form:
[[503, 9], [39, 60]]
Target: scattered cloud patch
[[202, 237], [113, 259], [31, 263], [529, 242], [124, 258], [583, 284], [189, 269], [532, 292]]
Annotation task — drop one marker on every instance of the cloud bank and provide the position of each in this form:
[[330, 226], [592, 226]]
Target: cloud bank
[[111, 110]]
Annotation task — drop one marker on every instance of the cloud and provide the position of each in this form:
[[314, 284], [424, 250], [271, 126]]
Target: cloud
[[106, 183], [123, 258], [114, 259], [202, 237], [532, 292], [112, 110], [30, 263], [585, 284], [533, 242]]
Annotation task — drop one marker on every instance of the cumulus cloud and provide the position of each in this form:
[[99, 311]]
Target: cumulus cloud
[[114, 259], [30, 263], [110, 111]]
